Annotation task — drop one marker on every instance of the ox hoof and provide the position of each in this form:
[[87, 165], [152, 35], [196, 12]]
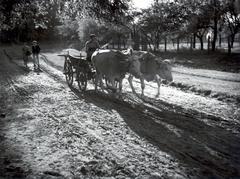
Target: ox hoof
[[117, 95]]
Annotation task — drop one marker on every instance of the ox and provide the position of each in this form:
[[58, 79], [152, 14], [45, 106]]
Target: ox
[[149, 67], [112, 65]]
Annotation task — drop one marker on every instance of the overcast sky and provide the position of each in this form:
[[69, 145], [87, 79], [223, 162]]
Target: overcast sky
[[142, 3]]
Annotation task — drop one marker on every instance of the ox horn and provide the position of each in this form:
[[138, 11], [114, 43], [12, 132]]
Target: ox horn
[[168, 61], [159, 60]]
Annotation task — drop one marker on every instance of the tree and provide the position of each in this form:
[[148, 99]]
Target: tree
[[68, 29], [206, 14], [232, 19], [200, 29], [160, 21], [215, 10], [198, 22], [49, 13], [106, 32], [16, 18]]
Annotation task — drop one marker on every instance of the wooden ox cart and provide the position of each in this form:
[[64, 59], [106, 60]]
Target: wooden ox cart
[[77, 68]]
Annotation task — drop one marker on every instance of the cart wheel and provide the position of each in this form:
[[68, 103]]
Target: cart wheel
[[68, 71], [91, 76], [108, 84], [82, 80]]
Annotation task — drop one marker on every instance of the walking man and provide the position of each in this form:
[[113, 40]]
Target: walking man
[[35, 51], [26, 53]]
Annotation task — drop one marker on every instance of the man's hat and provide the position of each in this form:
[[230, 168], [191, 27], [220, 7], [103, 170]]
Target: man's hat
[[34, 41], [92, 35]]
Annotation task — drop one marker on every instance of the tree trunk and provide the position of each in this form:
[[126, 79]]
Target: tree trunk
[[232, 40], [144, 43], [215, 30], [200, 37], [157, 41], [136, 40], [149, 44], [208, 44], [165, 44], [229, 45], [220, 40], [191, 43], [144, 47], [178, 44], [157, 44], [119, 42], [201, 42], [194, 40]]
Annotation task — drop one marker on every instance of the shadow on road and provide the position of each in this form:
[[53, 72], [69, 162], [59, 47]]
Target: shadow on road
[[193, 142], [9, 155]]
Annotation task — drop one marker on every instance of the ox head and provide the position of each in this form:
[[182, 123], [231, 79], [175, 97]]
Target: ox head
[[165, 69], [128, 52], [134, 66]]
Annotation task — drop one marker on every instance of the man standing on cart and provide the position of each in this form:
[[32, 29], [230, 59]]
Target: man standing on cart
[[91, 46]]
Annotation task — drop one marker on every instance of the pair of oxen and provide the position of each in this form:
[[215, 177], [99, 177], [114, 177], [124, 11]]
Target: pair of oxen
[[113, 65]]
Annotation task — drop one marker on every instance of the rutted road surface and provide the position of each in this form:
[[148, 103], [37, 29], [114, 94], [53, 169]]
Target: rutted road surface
[[212, 92], [52, 131]]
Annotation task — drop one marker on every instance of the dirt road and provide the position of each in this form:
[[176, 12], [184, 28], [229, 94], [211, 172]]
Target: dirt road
[[50, 130], [212, 92]]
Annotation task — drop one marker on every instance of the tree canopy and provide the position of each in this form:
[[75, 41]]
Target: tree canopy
[[183, 18], [113, 19], [21, 17]]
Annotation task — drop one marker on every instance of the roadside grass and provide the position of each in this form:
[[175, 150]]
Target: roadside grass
[[218, 60], [193, 59]]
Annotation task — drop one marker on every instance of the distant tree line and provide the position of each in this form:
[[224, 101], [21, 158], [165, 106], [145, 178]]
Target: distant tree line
[[115, 20], [181, 19], [24, 20]]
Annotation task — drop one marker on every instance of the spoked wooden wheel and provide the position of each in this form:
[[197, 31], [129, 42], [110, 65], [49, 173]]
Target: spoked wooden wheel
[[68, 71], [91, 76], [82, 79], [111, 87], [108, 84]]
